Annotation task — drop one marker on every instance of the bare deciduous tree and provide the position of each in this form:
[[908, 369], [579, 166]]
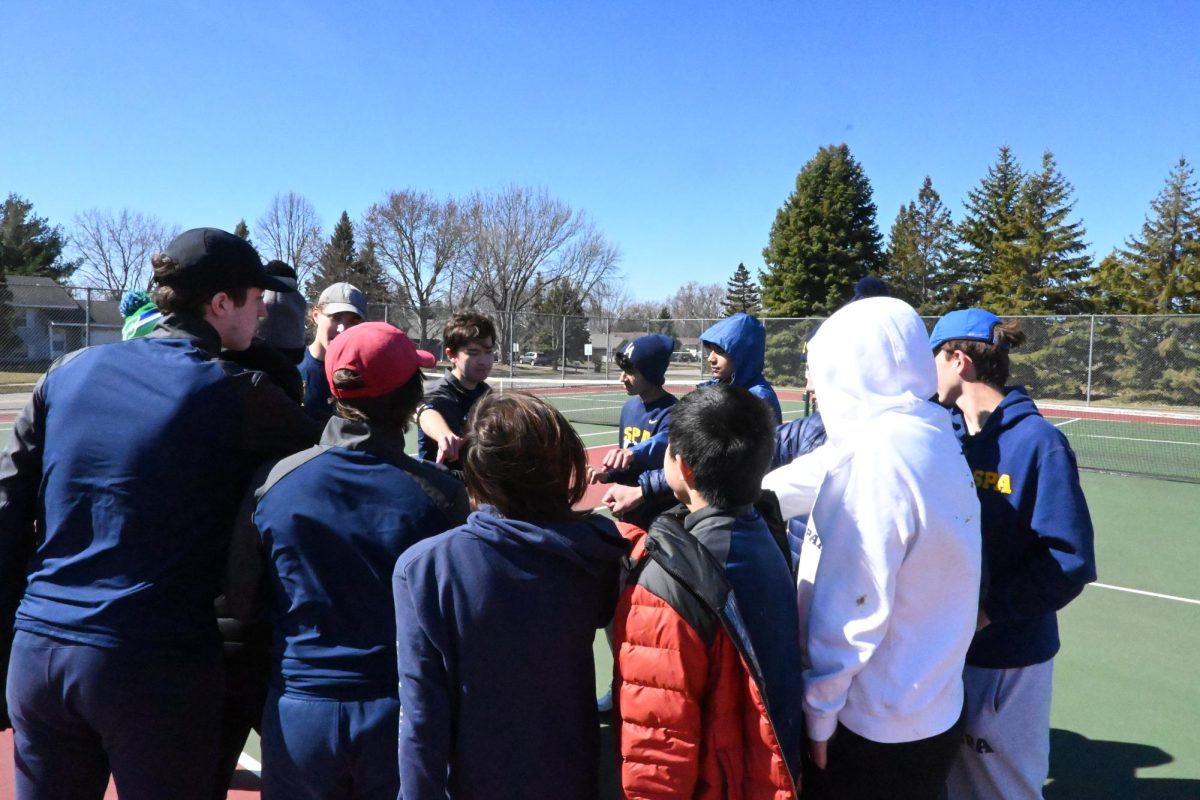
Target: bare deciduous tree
[[290, 230], [695, 306], [115, 249], [419, 241]]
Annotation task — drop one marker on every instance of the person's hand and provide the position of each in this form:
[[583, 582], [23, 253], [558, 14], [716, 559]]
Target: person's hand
[[620, 499], [448, 447], [819, 752], [598, 475], [619, 459]]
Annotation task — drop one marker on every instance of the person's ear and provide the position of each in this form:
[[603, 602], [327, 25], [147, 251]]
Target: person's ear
[[686, 471], [219, 304], [450, 353]]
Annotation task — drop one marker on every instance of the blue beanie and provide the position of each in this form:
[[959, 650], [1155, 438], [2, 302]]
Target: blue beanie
[[870, 286], [649, 355]]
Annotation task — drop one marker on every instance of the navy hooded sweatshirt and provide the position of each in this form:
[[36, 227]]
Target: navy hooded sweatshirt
[[1037, 532], [495, 622]]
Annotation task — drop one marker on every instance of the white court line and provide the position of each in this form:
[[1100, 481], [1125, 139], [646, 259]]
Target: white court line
[[1147, 594], [1066, 422], [1132, 439], [246, 761]]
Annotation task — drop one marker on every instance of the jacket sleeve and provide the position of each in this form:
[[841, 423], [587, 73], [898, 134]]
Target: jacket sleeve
[[653, 483], [649, 454], [273, 424], [795, 484], [245, 586], [768, 396], [425, 709], [20, 477], [1064, 559], [854, 589], [662, 670]]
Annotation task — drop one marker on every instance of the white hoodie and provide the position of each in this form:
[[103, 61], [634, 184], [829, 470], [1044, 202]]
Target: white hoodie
[[895, 597]]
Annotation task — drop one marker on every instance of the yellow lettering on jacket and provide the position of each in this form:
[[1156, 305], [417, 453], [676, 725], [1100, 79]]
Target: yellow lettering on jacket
[[1000, 482], [634, 435]]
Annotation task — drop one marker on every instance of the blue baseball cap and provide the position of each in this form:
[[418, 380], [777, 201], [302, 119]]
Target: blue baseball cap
[[971, 324]]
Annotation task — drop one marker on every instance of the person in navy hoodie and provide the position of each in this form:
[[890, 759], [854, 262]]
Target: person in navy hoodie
[[1038, 556], [736, 348], [332, 521], [117, 494], [495, 620]]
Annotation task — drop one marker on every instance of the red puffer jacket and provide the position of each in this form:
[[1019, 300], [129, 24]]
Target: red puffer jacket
[[693, 720]]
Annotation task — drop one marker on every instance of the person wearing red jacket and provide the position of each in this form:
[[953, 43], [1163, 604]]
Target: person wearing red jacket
[[706, 692]]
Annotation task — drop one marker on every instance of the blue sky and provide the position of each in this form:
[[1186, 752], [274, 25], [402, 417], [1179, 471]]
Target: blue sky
[[677, 127]]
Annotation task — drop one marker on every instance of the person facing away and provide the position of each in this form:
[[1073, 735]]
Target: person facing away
[[888, 610], [495, 620], [117, 494], [736, 349], [706, 629], [331, 522], [470, 346], [644, 423], [1038, 555], [339, 308]]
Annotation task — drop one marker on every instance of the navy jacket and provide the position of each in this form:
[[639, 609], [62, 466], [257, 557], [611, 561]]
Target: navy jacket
[[744, 338], [495, 622], [332, 521], [794, 439], [1037, 533], [317, 394], [131, 459], [644, 429]]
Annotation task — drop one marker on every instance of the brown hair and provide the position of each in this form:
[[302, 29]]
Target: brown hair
[[990, 358], [521, 456], [391, 410], [466, 327], [183, 298]]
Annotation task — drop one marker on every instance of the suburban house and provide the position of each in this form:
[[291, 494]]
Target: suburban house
[[48, 321]]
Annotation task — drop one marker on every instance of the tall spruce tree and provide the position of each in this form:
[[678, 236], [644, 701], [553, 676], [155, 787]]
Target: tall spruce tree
[[989, 228], [29, 245], [1158, 272], [340, 261], [923, 259], [823, 239], [742, 293], [370, 275], [241, 230], [1043, 267]]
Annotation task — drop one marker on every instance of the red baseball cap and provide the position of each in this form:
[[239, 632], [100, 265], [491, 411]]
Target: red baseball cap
[[381, 354]]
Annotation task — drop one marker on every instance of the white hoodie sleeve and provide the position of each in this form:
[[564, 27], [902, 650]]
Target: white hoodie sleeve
[[796, 484], [863, 544]]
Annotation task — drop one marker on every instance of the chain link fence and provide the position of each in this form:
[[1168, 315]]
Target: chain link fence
[[1107, 381]]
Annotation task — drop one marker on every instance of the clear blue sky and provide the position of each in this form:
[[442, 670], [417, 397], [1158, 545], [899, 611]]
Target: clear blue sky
[[678, 127]]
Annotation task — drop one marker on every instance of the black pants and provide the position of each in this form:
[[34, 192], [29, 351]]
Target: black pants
[[246, 672], [859, 769]]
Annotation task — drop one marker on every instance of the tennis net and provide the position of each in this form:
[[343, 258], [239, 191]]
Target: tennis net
[[1159, 444], [583, 402]]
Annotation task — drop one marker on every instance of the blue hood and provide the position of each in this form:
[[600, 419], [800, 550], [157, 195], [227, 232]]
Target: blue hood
[[591, 543], [743, 337]]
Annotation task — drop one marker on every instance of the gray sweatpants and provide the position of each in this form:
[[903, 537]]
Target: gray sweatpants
[[1006, 742]]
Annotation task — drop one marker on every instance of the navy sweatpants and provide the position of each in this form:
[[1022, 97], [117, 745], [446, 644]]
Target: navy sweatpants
[[79, 712]]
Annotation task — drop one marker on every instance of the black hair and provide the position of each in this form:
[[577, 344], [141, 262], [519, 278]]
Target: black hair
[[726, 436]]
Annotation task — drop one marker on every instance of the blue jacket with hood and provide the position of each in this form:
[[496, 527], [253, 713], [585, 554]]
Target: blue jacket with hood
[[495, 622], [744, 338], [1037, 532]]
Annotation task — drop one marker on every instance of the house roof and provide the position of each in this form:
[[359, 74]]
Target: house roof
[[107, 312], [29, 291]]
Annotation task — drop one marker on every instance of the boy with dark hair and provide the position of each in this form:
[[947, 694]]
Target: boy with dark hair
[[470, 346], [495, 620], [1038, 553], [331, 522], [117, 491], [645, 421], [706, 628]]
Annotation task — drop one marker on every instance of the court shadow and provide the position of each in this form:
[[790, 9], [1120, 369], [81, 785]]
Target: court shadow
[[610, 781], [1083, 767]]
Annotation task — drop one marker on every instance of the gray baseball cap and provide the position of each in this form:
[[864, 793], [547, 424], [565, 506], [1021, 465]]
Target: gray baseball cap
[[339, 297]]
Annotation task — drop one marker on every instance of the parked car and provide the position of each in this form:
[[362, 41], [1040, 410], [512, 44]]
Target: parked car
[[538, 359], [684, 357]]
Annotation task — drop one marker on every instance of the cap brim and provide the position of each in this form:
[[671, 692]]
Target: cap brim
[[272, 284], [329, 309], [426, 359]]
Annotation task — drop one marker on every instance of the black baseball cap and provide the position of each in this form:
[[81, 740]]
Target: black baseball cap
[[210, 258]]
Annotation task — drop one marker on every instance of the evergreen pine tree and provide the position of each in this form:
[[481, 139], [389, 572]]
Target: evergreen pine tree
[[1042, 269], [741, 293], [922, 256], [337, 260], [989, 228], [29, 245], [823, 239], [665, 324], [241, 230], [369, 276]]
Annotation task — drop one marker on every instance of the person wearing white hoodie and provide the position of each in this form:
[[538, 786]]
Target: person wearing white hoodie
[[891, 601]]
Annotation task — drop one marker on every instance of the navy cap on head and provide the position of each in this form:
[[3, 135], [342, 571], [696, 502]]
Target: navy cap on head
[[211, 258], [650, 355], [870, 286], [970, 324]]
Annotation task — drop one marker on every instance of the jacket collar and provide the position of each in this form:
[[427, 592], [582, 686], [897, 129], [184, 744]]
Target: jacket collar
[[386, 444], [179, 326]]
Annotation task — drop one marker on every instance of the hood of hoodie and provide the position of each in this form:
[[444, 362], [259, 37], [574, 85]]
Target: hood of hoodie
[[1016, 406], [592, 543], [870, 358], [743, 337]]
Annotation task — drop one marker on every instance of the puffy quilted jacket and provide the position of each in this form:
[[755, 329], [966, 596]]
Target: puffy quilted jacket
[[707, 682]]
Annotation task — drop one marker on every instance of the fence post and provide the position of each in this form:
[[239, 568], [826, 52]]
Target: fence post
[[1091, 343], [608, 346], [87, 318], [563, 350]]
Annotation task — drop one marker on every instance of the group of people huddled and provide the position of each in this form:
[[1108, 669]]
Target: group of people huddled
[[212, 527]]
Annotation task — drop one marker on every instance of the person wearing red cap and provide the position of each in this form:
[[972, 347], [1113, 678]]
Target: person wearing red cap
[[330, 523]]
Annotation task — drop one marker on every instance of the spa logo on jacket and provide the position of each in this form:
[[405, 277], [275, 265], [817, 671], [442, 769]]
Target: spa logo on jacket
[[993, 481], [634, 435]]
